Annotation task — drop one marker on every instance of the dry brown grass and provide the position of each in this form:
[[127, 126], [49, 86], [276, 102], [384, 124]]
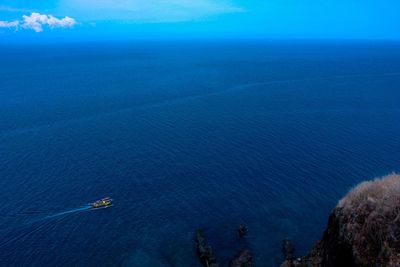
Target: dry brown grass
[[384, 191], [371, 215]]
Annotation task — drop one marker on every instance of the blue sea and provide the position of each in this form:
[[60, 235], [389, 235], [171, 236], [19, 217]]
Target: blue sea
[[186, 135]]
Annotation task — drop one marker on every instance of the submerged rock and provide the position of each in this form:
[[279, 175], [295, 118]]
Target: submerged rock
[[288, 249], [363, 230], [243, 230], [205, 251], [243, 259]]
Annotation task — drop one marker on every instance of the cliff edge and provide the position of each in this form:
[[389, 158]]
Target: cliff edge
[[363, 229]]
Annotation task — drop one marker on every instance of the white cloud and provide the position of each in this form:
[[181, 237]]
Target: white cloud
[[148, 10], [37, 21], [9, 24]]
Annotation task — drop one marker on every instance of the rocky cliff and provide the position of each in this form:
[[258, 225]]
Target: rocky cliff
[[363, 229]]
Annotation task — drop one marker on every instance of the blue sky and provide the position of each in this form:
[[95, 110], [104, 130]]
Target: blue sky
[[359, 19]]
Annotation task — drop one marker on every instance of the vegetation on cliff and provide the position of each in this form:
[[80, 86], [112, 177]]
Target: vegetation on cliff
[[363, 229]]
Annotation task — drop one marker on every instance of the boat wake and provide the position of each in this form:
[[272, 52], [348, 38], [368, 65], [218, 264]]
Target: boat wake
[[68, 212], [59, 214], [36, 225]]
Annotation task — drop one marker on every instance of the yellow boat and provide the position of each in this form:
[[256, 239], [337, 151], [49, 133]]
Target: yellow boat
[[102, 203]]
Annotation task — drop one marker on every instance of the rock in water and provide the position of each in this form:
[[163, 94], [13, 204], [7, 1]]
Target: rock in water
[[244, 259], [205, 251], [288, 249], [243, 230], [363, 230]]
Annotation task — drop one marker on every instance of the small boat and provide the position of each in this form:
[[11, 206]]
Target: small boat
[[101, 203]]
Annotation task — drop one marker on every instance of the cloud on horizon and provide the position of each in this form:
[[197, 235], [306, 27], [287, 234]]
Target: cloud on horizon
[[37, 21], [148, 10]]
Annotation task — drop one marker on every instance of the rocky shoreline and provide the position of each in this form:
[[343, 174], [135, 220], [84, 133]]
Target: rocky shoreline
[[363, 230], [208, 258]]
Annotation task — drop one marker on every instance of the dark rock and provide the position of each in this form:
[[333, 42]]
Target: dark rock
[[288, 249], [243, 259], [287, 263], [243, 230], [205, 251]]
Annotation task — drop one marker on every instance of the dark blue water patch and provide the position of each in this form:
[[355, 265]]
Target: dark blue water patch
[[186, 137]]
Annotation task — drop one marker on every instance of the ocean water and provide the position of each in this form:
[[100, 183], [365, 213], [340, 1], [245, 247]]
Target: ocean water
[[186, 135]]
